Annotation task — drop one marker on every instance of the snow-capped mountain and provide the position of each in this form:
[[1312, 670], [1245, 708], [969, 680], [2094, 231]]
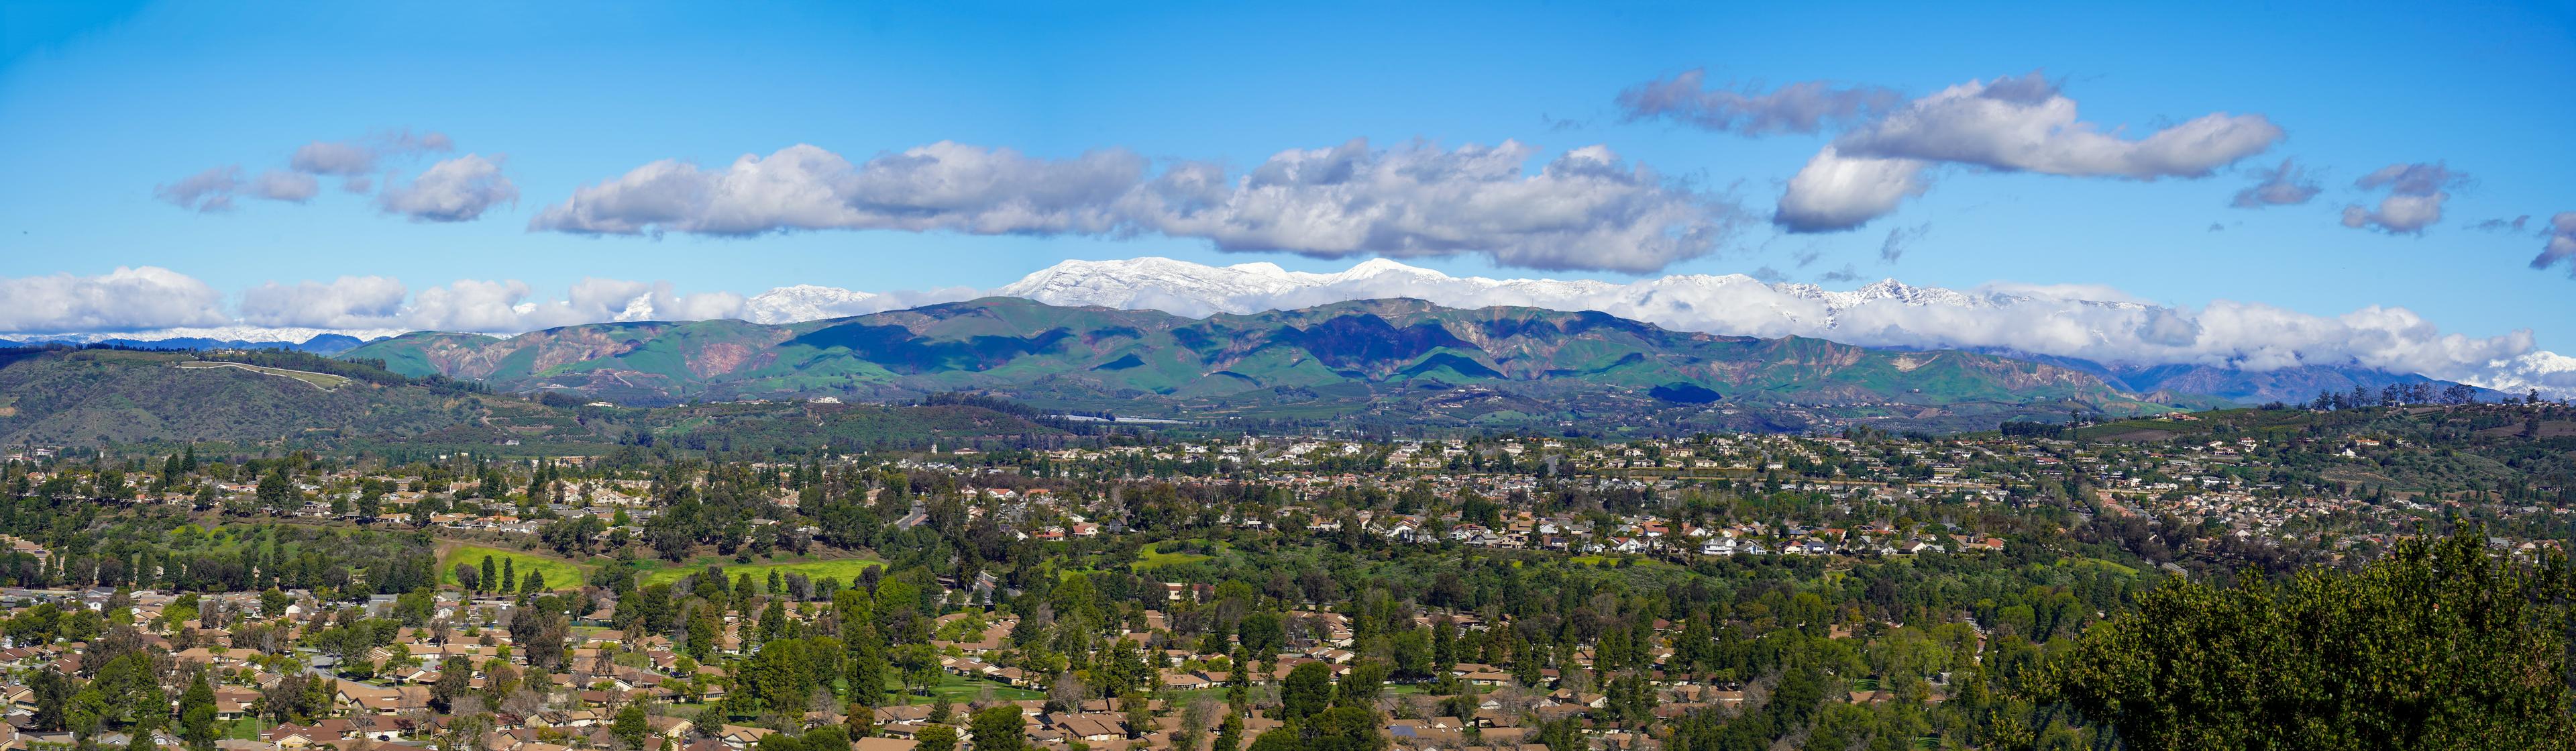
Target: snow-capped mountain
[[809, 302], [326, 341], [1727, 304]]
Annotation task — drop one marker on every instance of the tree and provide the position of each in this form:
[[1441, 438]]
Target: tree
[[2440, 645], [1229, 734], [491, 574], [935, 738], [455, 677], [197, 714], [920, 666], [998, 728], [275, 490], [631, 727], [1309, 689]]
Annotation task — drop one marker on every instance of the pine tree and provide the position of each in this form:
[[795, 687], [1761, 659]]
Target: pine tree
[[197, 714]]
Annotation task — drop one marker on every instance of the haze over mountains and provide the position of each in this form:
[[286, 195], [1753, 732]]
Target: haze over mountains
[[2242, 352]]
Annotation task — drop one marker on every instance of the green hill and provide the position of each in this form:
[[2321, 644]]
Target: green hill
[[1395, 361]]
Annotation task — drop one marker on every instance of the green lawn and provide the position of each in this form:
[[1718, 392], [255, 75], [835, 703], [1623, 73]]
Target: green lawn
[[1149, 558], [246, 729], [324, 381], [960, 690], [847, 570], [560, 574]]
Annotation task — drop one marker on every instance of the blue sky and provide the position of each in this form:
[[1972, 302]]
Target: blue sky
[[99, 105]]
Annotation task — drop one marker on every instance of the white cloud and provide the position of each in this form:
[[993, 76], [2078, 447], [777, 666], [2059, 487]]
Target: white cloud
[[126, 299], [455, 190], [1585, 209], [355, 163], [1835, 192], [349, 302], [208, 191], [2561, 246], [942, 186], [2286, 185], [356, 159], [1803, 107], [278, 185], [2414, 201], [344, 158], [2013, 124]]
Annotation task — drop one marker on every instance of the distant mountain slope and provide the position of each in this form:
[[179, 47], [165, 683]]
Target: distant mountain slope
[[1387, 357], [86, 397], [2292, 385]]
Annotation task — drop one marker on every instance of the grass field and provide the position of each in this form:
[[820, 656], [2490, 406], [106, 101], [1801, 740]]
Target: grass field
[[960, 690], [559, 574], [847, 570], [1150, 558], [319, 380]]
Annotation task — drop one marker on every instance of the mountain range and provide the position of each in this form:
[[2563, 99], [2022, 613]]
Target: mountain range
[[2242, 354], [1392, 362]]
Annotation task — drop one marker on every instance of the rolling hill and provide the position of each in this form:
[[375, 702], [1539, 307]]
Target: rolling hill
[[63, 396]]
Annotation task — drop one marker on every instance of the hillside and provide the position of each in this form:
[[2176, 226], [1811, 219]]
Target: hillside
[[1395, 361], [87, 396], [62, 396]]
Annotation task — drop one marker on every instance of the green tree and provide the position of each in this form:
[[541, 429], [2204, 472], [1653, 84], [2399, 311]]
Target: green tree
[[935, 738], [455, 677], [998, 728], [1308, 690], [1229, 733], [632, 728], [2440, 645], [197, 714]]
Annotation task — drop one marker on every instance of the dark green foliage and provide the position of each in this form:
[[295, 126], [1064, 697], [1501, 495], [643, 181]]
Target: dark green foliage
[[2440, 646]]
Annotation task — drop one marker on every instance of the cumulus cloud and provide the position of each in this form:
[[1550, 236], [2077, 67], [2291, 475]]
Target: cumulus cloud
[[2285, 185], [511, 306], [1585, 209], [208, 191], [126, 299], [941, 186], [2012, 124], [1803, 107], [1835, 193], [455, 190], [377, 303], [277, 185], [2414, 201], [2561, 246], [333, 158], [356, 159], [355, 162], [349, 302]]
